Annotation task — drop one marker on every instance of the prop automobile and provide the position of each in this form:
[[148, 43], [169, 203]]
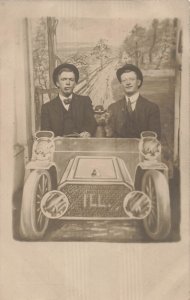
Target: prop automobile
[[95, 179]]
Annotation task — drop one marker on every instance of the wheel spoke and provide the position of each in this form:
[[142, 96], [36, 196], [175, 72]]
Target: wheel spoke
[[151, 222], [39, 219], [40, 189], [152, 217], [34, 223], [149, 187], [147, 190], [42, 186], [44, 183], [158, 222], [153, 194], [154, 206], [38, 196], [153, 213], [42, 221], [150, 183]]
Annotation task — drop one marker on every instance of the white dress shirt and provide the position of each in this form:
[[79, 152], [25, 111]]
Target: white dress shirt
[[64, 98], [133, 100]]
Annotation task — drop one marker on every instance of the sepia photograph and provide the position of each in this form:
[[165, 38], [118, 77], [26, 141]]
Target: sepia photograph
[[94, 101], [101, 156]]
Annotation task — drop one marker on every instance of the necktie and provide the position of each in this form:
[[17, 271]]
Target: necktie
[[129, 107], [67, 101]]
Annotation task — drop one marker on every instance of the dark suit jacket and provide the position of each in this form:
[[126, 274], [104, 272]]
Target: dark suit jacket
[[147, 117], [83, 115]]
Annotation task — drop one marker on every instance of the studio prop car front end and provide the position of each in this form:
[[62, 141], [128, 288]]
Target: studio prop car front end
[[96, 187], [96, 179]]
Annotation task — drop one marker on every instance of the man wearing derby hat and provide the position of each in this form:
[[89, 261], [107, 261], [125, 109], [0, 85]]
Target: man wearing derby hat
[[133, 113], [68, 113]]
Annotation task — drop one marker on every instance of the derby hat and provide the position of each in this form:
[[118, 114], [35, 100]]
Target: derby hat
[[61, 67], [130, 67]]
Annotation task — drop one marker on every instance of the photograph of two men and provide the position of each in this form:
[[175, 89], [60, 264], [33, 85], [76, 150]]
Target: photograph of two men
[[96, 140]]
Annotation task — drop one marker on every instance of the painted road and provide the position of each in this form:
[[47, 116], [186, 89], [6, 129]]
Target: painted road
[[110, 231], [100, 90]]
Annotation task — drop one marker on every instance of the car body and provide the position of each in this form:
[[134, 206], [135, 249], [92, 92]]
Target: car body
[[95, 179]]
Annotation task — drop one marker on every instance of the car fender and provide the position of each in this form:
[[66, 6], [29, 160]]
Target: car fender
[[142, 167], [43, 165]]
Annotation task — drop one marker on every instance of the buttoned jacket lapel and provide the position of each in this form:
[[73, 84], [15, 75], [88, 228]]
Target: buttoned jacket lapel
[[57, 109], [140, 111], [121, 116], [77, 111], [122, 110]]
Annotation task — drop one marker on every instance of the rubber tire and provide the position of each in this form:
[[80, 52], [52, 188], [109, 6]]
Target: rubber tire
[[28, 226], [163, 214]]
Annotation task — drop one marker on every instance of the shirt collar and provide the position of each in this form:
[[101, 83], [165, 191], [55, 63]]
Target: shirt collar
[[63, 97], [133, 98]]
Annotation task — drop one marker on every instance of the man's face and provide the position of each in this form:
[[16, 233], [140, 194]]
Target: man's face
[[130, 83], [66, 82]]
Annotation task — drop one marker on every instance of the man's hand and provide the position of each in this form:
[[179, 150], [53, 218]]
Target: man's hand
[[85, 134]]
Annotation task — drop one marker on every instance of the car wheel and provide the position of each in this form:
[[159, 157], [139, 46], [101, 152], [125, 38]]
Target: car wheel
[[33, 223], [158, 223]]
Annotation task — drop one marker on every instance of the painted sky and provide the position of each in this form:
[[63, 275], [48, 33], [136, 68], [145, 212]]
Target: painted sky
[[89, 30]]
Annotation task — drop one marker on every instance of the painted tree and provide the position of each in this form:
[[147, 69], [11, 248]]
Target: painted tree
[[153, 36], [134, 44], [81, 61], [51, 30], [165, 43], [40, 54], [101, 51], [44, 52], [153, 46]]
